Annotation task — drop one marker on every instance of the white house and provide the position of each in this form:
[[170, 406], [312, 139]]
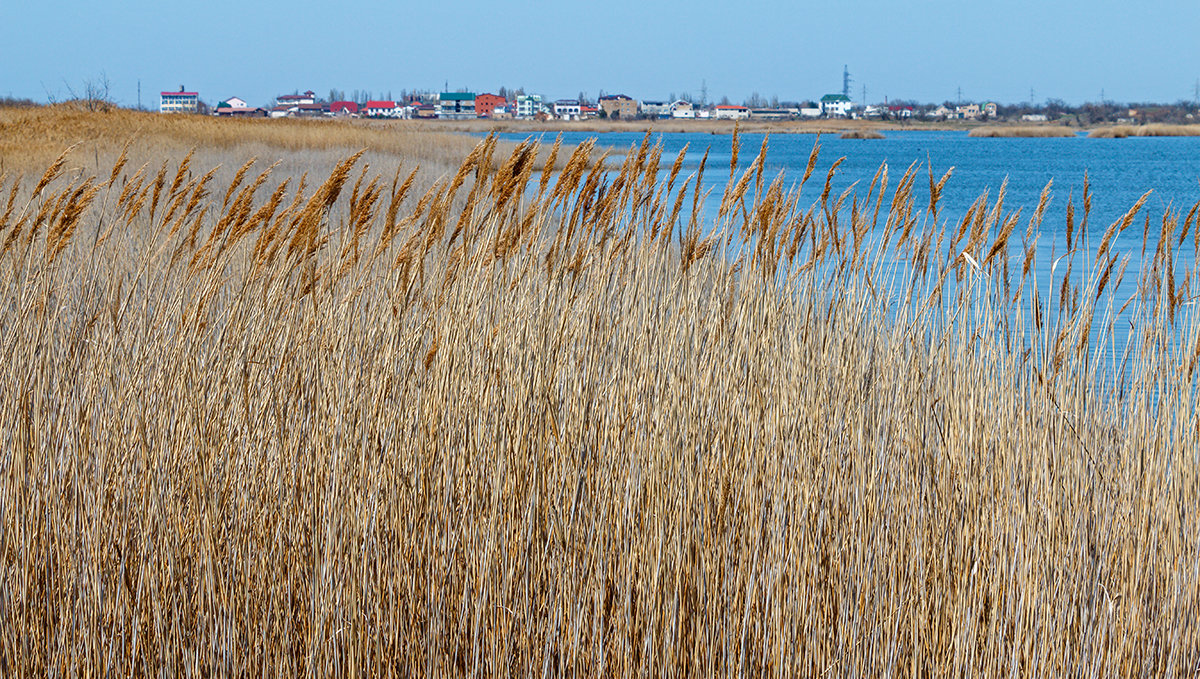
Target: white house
[[179, 102], [835, 105], [656, 109], [296, 99], [810, 112], [234, 102], [682, 109], [529, 105], [731, 112], [567, 109], [380, 109]]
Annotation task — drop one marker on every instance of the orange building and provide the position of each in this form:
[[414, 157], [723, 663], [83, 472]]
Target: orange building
[[485, 104]]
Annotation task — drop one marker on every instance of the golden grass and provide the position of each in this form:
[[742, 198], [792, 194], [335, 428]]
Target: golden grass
[[860, 134], [346, 428], [32, 137], [1019, 131], [1150, 130]]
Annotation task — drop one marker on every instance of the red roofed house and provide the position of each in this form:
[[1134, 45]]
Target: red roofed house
[[179, 102], [343, 108], [485, 104], [728, 112], [379, 109]]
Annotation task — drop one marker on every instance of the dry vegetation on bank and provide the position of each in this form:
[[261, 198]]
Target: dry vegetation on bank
[[30, 138], [345, 427], [1150, 130], [1028, 131], [860, 134]]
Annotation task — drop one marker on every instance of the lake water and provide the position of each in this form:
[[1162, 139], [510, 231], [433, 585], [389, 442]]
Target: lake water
[[1119, 170]]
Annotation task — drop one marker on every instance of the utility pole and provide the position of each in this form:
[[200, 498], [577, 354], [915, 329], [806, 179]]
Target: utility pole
[[1102, 98], [846, 81], [1196, 92], [1031, 99], [703, 92], [139, 94], [864, 99], [960, 95]]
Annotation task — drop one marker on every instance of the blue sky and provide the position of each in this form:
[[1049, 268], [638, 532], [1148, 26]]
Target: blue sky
[[923, 49]]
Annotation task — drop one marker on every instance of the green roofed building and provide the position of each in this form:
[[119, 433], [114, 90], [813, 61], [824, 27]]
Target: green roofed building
[[456, 106], [835, 106]]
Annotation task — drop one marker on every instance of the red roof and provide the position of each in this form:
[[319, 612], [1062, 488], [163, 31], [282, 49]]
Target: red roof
[[181, 94], [344, 105], [380, 104]]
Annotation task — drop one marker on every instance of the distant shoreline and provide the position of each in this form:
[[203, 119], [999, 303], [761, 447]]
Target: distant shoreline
[[821, 126]]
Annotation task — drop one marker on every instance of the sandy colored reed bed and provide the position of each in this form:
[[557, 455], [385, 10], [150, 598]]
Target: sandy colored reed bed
[[861, 134], [31, 138], [1029, 131], [1149, 130], [342, 427]]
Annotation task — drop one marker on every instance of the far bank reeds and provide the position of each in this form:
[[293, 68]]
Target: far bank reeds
[[1149, 130], [1028, 131]]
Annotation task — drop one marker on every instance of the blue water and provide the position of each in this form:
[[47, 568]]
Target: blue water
[[1119, 171]]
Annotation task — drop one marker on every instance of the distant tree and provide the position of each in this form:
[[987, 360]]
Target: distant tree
[[724, 101], [774, 101]]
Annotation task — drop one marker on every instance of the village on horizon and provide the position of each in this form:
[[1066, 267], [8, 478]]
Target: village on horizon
[[519, 105]]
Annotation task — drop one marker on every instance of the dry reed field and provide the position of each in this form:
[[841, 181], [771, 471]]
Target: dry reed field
[[1147, 130], [1022, 131], [526, 423]]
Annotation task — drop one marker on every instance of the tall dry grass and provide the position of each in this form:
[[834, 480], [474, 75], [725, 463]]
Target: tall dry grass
[[1147, 130], [33, 137], [1022, 131], [342, 427]]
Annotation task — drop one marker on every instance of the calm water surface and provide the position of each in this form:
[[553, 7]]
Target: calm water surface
[[1119, 170]]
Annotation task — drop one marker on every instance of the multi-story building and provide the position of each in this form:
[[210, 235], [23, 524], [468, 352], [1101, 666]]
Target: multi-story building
[[656, 109], [529, 105], [456, 105], [179, 102], [567, 109], [296, 99], [486, 104], [967, 112], [836, 105], [619, 106]]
